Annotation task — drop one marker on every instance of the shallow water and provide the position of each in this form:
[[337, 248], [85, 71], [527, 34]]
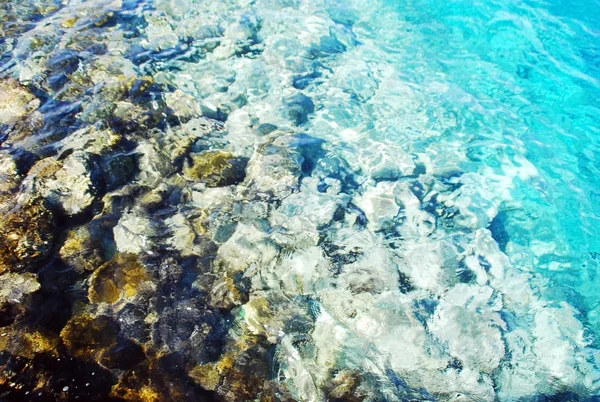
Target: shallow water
[[299, 200]]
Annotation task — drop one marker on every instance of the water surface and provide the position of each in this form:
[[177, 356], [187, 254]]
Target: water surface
[[300, 200]]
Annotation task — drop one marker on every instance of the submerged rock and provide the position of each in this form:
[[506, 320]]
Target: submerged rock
[[215, 168], [9, 313], [134, 233], [25, 342], [183, 105], [87, 337], [135, 321], [154, 163], [189, 328], [344, 386], [266, 129], [124, 355], [207, 375], [328, 45], [275, 166], [66, 185], [159, 156], [15, 101], [119, 278], [26, 235], [299, 107], [325, 267], [248, 247], [91, 140], [386, 161], [13, 286], [81, 251], [379, 205], [9, 177], [468, 321], [228, 292], [247, 376]]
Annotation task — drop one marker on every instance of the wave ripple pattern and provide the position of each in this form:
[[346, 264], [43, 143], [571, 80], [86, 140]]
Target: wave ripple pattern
[[299, 200]]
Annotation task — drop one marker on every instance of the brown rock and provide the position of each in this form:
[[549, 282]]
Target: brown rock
[[80, 251], [88, 337], [26, 235], [120, 277], [215, 168], [27, 343]]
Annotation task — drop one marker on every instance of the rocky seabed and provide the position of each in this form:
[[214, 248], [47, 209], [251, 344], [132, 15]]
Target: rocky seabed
[[243, 200]]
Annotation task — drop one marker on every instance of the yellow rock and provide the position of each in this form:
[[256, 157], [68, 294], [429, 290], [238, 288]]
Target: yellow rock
[[260, 320], [39, 343], [139, 85], [225, 363], [200, 222], [144, 394], [80, 252], [3, 340], [104, 19], [49, 9]]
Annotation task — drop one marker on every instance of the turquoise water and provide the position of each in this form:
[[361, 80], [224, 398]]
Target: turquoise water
[[525, 84], [525, 80], [309, 200]]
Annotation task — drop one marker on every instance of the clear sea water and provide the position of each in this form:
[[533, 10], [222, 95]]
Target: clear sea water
[[518, 84], [422, 185], [521, 83]]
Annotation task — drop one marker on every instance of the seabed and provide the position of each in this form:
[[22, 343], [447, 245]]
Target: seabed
[[295, 200]]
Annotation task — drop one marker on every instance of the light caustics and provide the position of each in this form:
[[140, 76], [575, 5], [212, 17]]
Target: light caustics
[[299, 200]]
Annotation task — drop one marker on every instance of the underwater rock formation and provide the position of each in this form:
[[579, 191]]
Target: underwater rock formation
[[204, 203]]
